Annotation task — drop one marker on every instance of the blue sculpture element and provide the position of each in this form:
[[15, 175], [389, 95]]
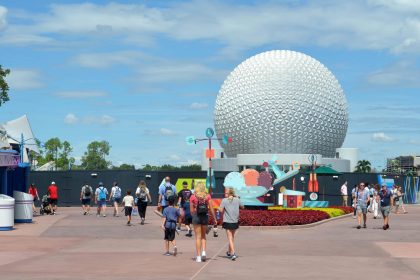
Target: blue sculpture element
[[280, 175]]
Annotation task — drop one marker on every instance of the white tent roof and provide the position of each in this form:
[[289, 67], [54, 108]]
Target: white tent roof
[[3, 138], [15, 128]]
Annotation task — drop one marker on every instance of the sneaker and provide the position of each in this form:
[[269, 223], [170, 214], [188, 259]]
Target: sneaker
[[203, 257], [364, 226], [189, 234], [374, 217], [167, 254], [228, 254], [359, 227], [198, 259], [354, 217], [233, 257], [103, 215], [177, 231], [128, 223], [85, 213], [175, 251], [387, 226], [384, 227], [142, 222]]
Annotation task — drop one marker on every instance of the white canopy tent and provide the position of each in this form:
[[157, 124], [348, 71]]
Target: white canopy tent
[[14, 130]]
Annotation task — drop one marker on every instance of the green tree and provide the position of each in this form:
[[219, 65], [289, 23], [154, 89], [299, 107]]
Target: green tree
[[57, 151], [191, 167], [124, 166], [94, 157], [4, 87], [363, 166]]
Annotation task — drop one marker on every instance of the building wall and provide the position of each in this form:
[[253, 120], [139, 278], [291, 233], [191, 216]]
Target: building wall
[[352, 154]]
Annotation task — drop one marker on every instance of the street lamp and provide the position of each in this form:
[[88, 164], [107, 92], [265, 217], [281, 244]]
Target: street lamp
[[191, 140]]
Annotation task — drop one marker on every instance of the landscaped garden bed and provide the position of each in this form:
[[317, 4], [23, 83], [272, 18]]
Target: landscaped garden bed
[[279, 216]]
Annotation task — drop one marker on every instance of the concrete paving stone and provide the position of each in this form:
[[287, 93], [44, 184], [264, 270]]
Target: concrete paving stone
[[73, 246]]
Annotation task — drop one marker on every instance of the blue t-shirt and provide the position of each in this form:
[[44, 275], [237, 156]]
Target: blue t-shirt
[[362, 196], [171, 215], [162, 189], [385, 197]]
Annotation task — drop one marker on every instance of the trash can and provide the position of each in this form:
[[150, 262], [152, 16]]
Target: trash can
[[7, 212], [23, 207]]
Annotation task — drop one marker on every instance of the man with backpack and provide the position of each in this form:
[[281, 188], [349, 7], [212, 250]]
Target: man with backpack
[[100, 198], [184, 206], [116, 198], [166, 192], [85, 198]]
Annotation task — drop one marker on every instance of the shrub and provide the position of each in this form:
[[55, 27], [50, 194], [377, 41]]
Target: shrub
[[280, 218]]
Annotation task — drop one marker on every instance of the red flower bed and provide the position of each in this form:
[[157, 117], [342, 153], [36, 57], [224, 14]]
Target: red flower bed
[[279, 218], [346, 209]]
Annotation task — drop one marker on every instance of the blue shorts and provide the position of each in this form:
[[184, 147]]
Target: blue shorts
[[116, 199], [102, 202], [86, 201]]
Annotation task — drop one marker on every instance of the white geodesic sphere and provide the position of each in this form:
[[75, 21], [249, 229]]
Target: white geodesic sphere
[[281, 102]]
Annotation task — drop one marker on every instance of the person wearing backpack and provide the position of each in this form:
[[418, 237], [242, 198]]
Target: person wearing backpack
[[115, 197], [143, 198], [166, 191], [184, 196], [200, 206], [100, 198], [85, 198]]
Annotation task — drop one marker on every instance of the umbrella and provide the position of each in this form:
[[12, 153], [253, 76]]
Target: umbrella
[[325, 170]]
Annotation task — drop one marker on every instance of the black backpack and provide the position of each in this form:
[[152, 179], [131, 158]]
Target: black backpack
[[169, 192], [87, 191], [202, 207]]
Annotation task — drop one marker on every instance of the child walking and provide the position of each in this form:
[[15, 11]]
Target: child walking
[[169, 221], [128, 202]]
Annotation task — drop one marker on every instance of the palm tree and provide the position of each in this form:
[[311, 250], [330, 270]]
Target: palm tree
[[363, 166]]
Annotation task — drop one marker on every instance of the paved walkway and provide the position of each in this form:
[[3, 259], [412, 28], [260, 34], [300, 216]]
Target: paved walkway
[[73, 246]]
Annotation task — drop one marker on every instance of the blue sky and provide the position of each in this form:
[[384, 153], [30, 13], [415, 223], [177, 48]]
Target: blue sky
[[143, 75]]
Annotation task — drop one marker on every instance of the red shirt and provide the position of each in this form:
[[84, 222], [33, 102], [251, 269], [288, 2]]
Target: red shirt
[[33, 192], [52, 190]]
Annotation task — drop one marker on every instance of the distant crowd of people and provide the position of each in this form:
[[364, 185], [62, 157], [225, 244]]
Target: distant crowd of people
[[190, 206], [374, 199]]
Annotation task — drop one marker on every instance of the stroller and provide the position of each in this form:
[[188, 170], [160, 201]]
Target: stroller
[[45, 206]]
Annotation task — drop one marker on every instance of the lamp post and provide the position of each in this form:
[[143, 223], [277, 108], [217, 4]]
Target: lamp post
[[191, 140]]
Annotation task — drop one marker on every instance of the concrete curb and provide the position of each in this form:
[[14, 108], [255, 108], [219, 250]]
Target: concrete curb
[[295, 226]]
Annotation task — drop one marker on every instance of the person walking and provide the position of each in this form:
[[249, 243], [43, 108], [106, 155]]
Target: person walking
[[115, 198], [362, 198], [399, 203], [184, 196], [166, 190], [375, 201], [143, 198], [230, 208], [128, 202], [169, 220], [53, 197], [354, 200], [344, 194], [34, 192], [386, 203], [100, 198], [200, 206], [86, 197]]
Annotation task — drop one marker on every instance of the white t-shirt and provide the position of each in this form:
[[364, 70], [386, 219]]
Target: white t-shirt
[[138, 191], [344, 189], [128, 201], [116, 192]]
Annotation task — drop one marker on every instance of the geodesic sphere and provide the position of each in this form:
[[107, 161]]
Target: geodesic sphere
[[281, 102]]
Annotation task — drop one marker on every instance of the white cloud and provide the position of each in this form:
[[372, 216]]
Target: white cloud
[[80, 94], [105, 60], [414, 142], [167, 132], [401, 74], [198, 106], [382, 137], [70, 119], [24, 79], [3, 15], [372, 25], [104, 120]]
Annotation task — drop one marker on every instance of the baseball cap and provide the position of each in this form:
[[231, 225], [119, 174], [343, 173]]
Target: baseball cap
[[383, 184], [52, 183], [100, 184]]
